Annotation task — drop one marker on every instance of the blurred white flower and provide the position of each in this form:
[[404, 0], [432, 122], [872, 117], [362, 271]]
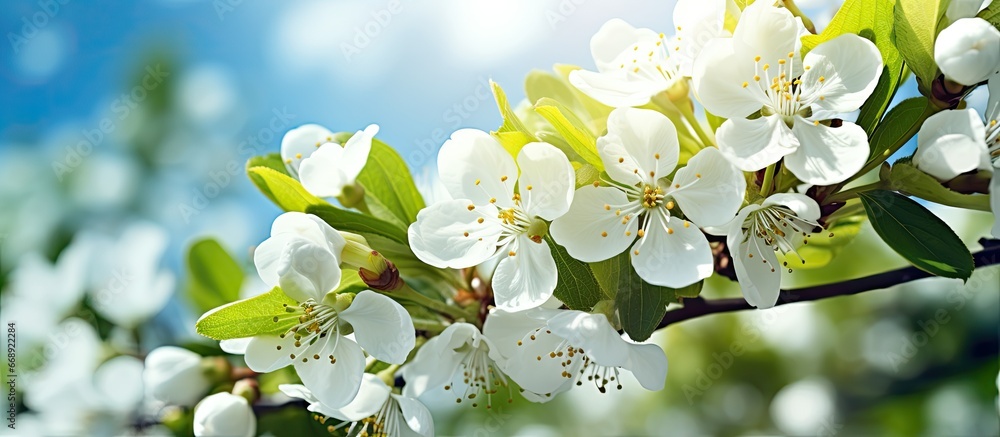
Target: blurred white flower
[[375, 411], [224, 415], [968, 51], [175, 375], [548, 351], [462, 360], [805, 408], [488, 220], [760, 71], [639, 152], [325, 168]]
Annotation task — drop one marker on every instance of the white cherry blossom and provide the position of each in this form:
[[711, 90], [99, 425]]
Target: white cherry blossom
[[950, 143], [323, 166], [780, 104], [548, 351], [641, 204], [968, 51], [488, 218]]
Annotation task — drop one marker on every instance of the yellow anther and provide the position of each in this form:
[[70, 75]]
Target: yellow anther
[[636, 252], [471, 207], [657, 155], [756, 78], [697, 175], [528, 188], [636, 48], [604, 234], [493, 200], [641, 233], [635, 70], [597, 184], [479, 220], [670, 204], [766, 66], [478, 181], [791, 54], [687, 224], [822, 97], [628, 233], [781, 61], [607, 207], [670, 231], [822, 79], [511, 253], [816, 123], [746, 84], [298, 156], [756, 59], [621, 160], [503, 178], [465, 234]]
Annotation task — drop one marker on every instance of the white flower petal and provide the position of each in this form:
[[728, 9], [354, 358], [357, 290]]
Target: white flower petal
[[649, 365], [307, 271], [950, 143], [418, 417], [438, 237], [381, 325], [698, 22], [993, 104], [613, 38], [718, 76], [267, 353], [760, 281], [711, 189], [372, 395], [527, 278], [769, 32], [995, 198], [591, 216], [322, 173], [298, 391], [300, 143], [968, 50], [356, 151], [850, 67], [803, 206], [267, 256], [551, 178], [336, 384], [437, 361], [528, 362], [235, 346], [754, 144], [827, 155], [592, 333], [472, 156], [504, 328], [672, 254], [616, 89], [639, 142]]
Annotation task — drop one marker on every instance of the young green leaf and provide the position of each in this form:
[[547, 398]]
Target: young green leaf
[[640, 305], [915, 26], [991, 14], [917, 234], [214, 277], [871, 19], [249, 317], [577, 287], [571, 129], [387, 182], [350, 221], [270, 160], [906, 178], [512, 134], [282, 189], [900, 124]]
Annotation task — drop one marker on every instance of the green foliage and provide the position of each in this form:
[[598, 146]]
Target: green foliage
[[389, 186], [214, 277], [906, 178], [917, 234], [640, 305], [871, 19], [556, 86], [271, 160], [915, 25], [899, 125], [823, 248], [577, 287], [512, 134], [249, 317], [344, 220], [991, 14], [282, 189], [569, 126]]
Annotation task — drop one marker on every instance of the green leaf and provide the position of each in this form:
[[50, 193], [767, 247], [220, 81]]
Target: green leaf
[[991, 14], [917, 234], [899, 125], [577, 287], [640, 305], [388, 182], [344, 220], [282, 189], [822, 248], [271, 160], [571, 129], [542, 84], [907, 179], [512, 134], [249, 317], [871, 19], [214, 277], [714, 121], [915, 25]]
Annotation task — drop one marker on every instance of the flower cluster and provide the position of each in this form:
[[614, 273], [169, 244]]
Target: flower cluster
[[567, 232]]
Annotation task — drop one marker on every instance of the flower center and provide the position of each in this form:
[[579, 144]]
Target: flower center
[[314, 322], [480, 376], [779, 227], [652, 196], [388, 421], [782, 91], [575, 362]]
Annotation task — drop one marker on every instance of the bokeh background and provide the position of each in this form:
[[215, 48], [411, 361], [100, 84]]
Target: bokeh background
[[123, 133]]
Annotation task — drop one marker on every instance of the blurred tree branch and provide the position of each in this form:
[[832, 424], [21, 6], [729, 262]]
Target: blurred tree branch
[[698, 307]]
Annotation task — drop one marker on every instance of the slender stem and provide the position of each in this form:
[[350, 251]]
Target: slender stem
[[846, 195], [455, 313], [429, 325], [698, 307], [688, 112], [767, 184], [794, 9]]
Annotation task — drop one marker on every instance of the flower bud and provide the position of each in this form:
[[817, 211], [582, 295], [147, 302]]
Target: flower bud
[[950, 143], [175, 375], [224, 414], [968, 51]]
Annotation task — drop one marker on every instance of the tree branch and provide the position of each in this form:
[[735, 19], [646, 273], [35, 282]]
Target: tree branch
[[697, 307]]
